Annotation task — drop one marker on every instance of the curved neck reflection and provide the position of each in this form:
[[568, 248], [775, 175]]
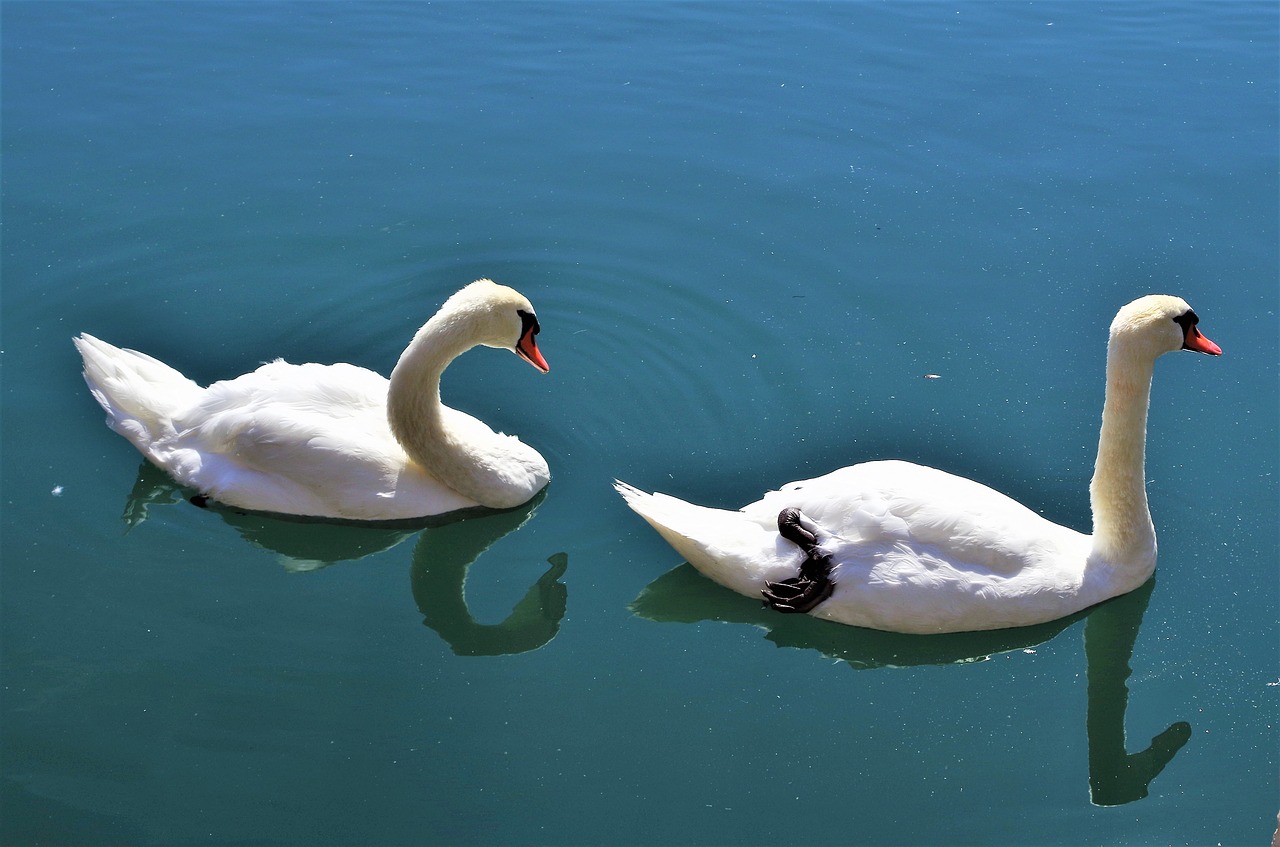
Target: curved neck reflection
[[1111, 631], [443, 554]]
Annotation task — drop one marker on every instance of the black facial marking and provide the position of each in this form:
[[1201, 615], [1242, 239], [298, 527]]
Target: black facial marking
[[528, 320], [1187, 320]]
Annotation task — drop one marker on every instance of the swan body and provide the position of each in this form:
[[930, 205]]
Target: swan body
[[333, 441], [896, 546]]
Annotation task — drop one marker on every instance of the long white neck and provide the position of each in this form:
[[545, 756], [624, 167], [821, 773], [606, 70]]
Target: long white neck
[[1123, 535], [414, 411]]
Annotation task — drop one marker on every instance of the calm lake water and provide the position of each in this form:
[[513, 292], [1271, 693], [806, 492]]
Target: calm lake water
[[750, 231]]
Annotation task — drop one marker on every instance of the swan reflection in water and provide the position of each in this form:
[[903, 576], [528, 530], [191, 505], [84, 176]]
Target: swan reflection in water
[[683, 595], [442, 555]]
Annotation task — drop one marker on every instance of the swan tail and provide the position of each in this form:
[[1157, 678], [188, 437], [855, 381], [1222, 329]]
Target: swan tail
[[729, 547], [141, 395]]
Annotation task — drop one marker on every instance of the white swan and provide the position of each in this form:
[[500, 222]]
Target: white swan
[[896, 546], [333, 441]]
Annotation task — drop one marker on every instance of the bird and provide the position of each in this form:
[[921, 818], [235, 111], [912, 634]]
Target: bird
[[334, 441], [896, 546]]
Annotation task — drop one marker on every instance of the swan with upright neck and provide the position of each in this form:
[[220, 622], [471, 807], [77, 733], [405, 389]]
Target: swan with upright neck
[[334, 441], [896, 546]]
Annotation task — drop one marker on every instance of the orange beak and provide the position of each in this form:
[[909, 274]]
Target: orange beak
[[1194, 340], [527, 348]]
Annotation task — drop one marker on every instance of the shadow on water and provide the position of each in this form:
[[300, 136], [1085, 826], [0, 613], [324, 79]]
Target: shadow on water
[[440, 561], [1116, 777], [446, 548]]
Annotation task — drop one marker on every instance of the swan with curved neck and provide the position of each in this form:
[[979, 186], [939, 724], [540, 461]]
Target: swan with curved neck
[[334, 441], [901, 547]]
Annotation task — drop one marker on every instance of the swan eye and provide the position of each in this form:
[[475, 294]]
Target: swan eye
[[528, 322]]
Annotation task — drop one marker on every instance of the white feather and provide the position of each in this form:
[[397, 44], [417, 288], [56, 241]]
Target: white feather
[[919, 550], [315, 439]]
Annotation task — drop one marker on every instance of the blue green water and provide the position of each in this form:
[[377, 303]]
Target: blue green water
[[749, 230]]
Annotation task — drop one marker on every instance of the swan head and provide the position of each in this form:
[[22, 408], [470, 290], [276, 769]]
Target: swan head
[[497, 316], [1159, 324]]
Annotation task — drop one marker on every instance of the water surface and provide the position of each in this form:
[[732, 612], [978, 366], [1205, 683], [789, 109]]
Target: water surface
[[750, 232]]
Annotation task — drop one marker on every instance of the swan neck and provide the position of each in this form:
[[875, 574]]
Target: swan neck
[[414, 410], [1123, 534], [452, 447]]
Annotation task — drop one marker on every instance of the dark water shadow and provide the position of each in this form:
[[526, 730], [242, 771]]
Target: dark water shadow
[[1116, 777], [446, 548], [441, 559]]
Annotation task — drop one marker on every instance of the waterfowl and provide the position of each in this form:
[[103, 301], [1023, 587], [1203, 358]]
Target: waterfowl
[[896, 546], [334, 441]]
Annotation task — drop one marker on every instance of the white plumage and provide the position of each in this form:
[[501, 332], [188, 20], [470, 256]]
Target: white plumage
[[333, 441], [914, 549]]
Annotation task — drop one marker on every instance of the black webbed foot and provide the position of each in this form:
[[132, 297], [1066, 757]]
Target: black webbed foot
[[789, 528], [796, 595], [804, 592]]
